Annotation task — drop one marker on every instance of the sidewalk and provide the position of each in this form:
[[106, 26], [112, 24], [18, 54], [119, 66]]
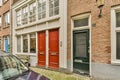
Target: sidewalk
[[54, 75]]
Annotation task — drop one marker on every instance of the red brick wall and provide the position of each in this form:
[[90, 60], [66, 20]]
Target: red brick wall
[[4, 31], [100, 34]]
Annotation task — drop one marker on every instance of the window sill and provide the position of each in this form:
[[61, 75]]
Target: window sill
[[30, 54], [116, 62], [6, 27]]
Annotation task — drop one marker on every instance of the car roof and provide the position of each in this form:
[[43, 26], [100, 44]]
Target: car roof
[[2, 53]]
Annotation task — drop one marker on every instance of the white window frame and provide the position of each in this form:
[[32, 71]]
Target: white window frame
[[42, 12], [81, 17], [25, 11], [114, 29], [32, 13], [53, 9], [1, 2], [19, 17], [7, 19]]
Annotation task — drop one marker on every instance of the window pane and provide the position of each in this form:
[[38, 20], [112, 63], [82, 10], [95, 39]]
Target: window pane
[[118, 19], [25, 43], [7, 19], [118, 45], [19, 44], [80, 45], [19, 16], [53, 7], [81, 22], [41, 9], [32, 43], [32, 12], [25, 15]]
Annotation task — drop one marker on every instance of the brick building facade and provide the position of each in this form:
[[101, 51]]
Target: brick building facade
[[103, 42], [5, 20]]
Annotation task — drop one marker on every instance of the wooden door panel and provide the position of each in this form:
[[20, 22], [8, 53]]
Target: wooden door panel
[[54, 48], [41, 48]]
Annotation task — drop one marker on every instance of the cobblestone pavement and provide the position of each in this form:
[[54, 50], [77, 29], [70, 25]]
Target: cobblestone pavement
[[54, 75]]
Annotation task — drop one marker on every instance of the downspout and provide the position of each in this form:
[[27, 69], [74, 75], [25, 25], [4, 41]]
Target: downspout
[[11, 26]]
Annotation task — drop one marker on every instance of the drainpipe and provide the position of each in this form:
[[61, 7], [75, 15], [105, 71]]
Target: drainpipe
[[10, 26]]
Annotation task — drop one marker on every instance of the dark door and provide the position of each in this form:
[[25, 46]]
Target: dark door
[[81, 51], [54, 49], [41, 49]]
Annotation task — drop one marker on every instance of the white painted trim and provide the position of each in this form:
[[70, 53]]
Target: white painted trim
[[21, 43], [38, 22], [72, 44], [113, 35], [81, 28], [47, 48], [90, 44], [28, 37], [37, 47]]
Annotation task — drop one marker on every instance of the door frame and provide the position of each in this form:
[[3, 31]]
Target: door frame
[[81, 28]]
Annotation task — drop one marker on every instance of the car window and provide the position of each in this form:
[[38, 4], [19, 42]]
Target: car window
[[10, 66]]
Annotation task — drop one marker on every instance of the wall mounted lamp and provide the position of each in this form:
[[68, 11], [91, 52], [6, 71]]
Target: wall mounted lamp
[[100, 4]]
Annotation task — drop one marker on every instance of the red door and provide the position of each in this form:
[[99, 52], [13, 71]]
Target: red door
[[41, 49], [54, 49]]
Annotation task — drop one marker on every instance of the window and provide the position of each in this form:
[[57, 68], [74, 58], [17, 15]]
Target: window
[[18, 43], [117, 19], [19, 17], [81, 22], [7, 19], [0, 23], [115, 35], [32, 12], [118, 45], [25, 15], [0, 2], [53, 7], [33, 43], [41, 9], [25, 43]]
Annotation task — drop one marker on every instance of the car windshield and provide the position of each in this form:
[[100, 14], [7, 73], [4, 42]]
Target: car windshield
[[10, 66]]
